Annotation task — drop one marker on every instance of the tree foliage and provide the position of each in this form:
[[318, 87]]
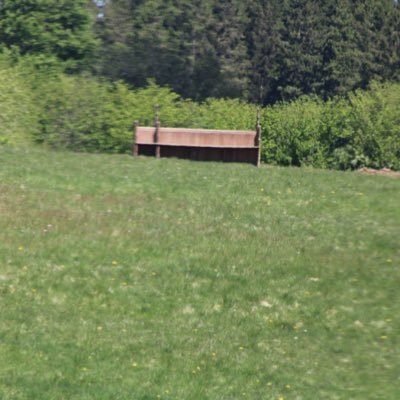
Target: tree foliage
[[259, 50], [59, 28]]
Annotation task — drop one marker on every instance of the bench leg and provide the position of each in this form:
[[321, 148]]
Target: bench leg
[[258, 161], [135, 150], [158, 152]]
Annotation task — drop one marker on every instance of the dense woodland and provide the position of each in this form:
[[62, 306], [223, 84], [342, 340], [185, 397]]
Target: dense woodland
[[327, 72], [275, 49], [266, 50]]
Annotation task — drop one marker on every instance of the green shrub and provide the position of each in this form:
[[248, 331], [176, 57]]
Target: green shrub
[[375, 121], [363, 130], [18, 111], [82, 113], [292, 133], [173, 111], [75, 113], [225, 114]]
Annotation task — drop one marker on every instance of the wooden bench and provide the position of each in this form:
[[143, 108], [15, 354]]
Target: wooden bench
[[198, 144]]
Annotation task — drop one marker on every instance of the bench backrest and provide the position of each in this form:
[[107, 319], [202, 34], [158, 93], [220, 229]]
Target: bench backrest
[[196, 137]]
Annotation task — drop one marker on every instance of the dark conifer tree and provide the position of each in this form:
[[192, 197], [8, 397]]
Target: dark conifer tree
[[341, 57], [264, 49], [300, 59], [229, 40]]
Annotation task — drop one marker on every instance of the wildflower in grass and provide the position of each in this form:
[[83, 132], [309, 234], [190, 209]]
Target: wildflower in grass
[[99, 328], [269, 384], [188, 310], [134, 365], [389, 260], [20, 248], [384, 337], [114, 263], [241, 348], [298, 325], [265, 303], [217, 307]]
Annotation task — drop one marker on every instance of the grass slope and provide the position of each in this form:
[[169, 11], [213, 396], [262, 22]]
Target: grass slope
[[167, 279]]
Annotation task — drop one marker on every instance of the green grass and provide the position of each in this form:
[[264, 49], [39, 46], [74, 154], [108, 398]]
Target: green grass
[[147, 279]]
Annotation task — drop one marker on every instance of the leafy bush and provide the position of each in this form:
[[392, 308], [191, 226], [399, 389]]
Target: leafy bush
[[291, 133], [82, 113], [363, 130], [375, 121], [225, 114], [75, 114], [18, 111]]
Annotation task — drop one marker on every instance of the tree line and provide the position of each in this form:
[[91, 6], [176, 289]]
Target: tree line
[[259, 50]]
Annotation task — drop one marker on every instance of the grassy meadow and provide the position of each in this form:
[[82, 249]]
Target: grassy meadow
[[168, 279]]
